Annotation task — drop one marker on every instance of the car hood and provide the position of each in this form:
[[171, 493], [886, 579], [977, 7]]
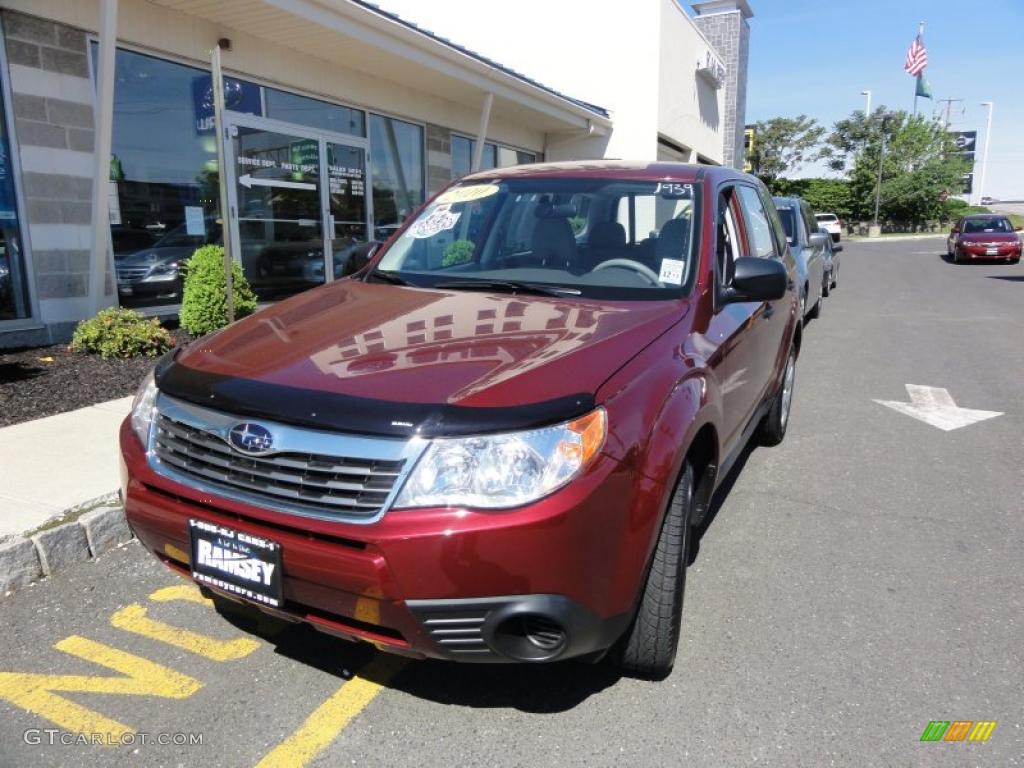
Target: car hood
[[378, 358], [988, 237], [150, 257]]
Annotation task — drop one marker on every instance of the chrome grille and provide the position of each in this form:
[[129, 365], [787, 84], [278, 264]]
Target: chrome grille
[[131, 274], [328, 486]]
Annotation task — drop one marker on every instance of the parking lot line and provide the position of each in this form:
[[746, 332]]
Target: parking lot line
[[330, 718], [133, 618], [187, 592], [141, 677]]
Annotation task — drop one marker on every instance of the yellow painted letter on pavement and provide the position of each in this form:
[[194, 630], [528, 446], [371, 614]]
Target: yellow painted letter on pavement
[[141, 677], [133, 618], [186, 592]]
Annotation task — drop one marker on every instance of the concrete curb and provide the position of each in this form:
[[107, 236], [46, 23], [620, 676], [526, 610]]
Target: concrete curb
[[25, 559]]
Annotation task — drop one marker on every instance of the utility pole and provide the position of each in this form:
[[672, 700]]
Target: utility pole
[[984, 154], [949, 108]]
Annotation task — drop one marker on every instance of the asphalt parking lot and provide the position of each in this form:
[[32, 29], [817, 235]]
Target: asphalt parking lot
[[855, 583]]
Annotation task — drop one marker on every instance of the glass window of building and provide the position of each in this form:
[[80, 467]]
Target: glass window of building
[[396, 160], [163, 171], [13, 294], [462, 156], [508, 156], [302, 110]]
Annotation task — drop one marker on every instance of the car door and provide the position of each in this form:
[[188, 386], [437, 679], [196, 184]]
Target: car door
[[769, 320], [734, 357], [815, 256]]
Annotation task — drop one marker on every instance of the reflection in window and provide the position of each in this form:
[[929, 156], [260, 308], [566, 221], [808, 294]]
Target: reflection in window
[[396, 158], [13, 296], [462, 156], [163, 171], [292, 108], [494, 156]]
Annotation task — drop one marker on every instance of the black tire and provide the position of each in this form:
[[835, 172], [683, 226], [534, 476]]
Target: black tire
[[772, 429], [1015, 261], [815, 312], [826, 285], [648, 649], [835, 279]]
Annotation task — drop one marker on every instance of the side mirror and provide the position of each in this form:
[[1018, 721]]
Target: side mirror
[[836, 248], [817, 240], [361, 256], [756, 279]]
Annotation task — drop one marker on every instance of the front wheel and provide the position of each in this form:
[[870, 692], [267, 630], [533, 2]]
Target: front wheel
[[772, 429], [826, 284], [648, 649]]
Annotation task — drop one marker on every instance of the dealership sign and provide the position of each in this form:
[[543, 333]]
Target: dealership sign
[[966, 142]]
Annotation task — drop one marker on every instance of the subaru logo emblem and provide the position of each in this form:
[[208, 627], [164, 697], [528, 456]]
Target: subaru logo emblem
[[250, 438]]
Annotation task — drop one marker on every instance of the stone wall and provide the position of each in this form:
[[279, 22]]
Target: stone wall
[[729, 33], [52, 102]]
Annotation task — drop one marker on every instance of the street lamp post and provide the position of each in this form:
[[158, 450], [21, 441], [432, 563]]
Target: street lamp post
[[867, 104], [984, 154], [875, 229]]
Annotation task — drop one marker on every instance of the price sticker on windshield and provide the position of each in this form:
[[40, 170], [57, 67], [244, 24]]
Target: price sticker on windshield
[[672, 190], [671, 271], [467, 193]]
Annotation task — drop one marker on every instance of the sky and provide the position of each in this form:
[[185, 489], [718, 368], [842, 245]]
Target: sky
[[814, 57]]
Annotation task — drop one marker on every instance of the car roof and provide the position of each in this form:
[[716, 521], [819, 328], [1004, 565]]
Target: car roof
[[621, 169], [984, 216]]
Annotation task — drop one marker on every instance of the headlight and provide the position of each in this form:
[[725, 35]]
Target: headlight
[[506, 470], [163, 272], [142, 408]]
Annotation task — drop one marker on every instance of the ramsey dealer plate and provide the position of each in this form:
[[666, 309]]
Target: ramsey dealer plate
[[236, 562]]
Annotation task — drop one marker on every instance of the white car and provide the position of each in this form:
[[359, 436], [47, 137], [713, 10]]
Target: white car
[[831, 223]]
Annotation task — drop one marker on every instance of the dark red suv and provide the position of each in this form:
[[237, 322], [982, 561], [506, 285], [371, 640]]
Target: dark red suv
[[493, 441]]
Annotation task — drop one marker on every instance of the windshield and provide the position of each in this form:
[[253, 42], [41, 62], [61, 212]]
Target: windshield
[[602, 238], [987, 225]]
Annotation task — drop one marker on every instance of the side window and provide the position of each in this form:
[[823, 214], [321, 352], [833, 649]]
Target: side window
[[759, 229], [809, 220], [778, 229], [727, 237]]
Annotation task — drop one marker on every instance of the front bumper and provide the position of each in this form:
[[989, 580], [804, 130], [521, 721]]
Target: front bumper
[[532, 584]]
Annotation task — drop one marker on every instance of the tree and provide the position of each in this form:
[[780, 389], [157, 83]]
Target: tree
[[920, 162], [783, 144]]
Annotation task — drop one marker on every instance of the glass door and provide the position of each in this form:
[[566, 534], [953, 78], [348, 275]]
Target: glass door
[[278, 209], [347, 203], [296, 195]]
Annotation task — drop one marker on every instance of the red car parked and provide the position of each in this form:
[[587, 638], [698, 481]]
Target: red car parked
[[492, 442], [984, 236]]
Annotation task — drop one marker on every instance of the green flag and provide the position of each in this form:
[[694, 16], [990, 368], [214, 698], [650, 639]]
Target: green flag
[[923, 88]]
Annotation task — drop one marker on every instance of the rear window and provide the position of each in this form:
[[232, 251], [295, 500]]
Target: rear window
[[788, 216], [826, 217]]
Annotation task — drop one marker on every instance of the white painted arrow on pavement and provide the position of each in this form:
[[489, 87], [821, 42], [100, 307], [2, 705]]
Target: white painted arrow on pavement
[[247, 180], [935, 406]]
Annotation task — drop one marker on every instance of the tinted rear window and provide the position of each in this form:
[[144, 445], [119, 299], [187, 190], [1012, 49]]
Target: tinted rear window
[[827, 217], [788, 216]]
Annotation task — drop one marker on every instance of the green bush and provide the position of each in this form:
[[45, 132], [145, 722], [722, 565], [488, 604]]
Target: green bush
[[459, 252], [119, 332], [203, 305]]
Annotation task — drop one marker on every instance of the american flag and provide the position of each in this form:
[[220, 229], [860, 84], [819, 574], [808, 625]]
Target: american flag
[[917, 58]]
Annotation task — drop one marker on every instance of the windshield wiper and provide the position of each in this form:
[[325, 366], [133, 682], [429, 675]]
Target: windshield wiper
[[511, 286], [388, 276]]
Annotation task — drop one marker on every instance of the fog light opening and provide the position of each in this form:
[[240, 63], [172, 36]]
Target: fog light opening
[[530, 637]]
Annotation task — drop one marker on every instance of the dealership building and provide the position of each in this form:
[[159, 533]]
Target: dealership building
[[341, 118]]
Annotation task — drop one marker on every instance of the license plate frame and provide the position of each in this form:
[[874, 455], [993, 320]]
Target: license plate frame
[[236, 562], [992, 251]]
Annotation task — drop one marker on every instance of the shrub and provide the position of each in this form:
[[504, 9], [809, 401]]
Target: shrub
[[119, 332], [458, 252], [203, 305]]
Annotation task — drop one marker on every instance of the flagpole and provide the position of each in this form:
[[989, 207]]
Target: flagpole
[[920, 36]]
